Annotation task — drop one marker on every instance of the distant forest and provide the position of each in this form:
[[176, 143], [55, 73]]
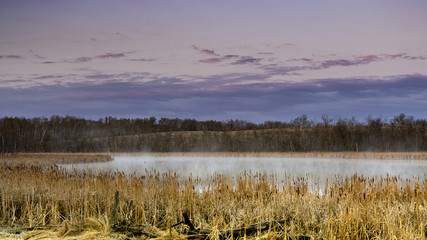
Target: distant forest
[[72, 134]]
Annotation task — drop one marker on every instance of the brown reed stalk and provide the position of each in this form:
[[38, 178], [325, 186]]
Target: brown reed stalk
[[353, 207]]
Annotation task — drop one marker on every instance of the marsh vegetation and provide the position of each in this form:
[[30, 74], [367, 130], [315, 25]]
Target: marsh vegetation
[[72, 204]]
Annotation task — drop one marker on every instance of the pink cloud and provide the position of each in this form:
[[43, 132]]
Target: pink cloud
[[204, 50], [398, 55], [265, 53], [313, 64], [404, 56], [333, 63], [367, 59], [208, 52]]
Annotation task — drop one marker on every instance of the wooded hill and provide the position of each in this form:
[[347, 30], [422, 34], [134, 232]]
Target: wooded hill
[[71, 134]]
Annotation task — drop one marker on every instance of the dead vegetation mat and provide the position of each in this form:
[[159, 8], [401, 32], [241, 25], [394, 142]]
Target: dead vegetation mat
[[92, 228]]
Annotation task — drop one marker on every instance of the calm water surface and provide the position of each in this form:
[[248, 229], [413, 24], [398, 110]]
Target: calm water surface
[[204, 166]]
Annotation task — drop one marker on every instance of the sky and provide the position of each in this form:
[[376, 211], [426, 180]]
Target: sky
[[213, 60]]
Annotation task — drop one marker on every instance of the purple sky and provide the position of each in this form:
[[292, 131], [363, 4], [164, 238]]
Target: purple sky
[[245, 59]]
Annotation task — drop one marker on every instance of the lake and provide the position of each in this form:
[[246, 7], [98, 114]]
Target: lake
[[232, 166]]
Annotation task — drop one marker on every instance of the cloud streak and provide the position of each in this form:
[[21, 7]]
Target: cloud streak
[[219, 59], [204, 50], [11, 57], [220, 97], [142, 60], [363, 60], [247, 60], [237, 60], [311, 64], [102, 56], [212, 60], [233, 60]]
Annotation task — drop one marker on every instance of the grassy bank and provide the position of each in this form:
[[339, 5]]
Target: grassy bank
[[53, 158], [66, 203], [69, 158]]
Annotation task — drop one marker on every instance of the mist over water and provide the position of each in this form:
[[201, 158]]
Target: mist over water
[[231, 166]]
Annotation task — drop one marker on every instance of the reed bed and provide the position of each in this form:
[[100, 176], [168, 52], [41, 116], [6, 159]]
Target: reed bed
[[344, 208], [344, 155], [53, 158]]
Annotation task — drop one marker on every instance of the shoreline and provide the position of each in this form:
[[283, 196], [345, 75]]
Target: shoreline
[[82, 157], [344, 155]]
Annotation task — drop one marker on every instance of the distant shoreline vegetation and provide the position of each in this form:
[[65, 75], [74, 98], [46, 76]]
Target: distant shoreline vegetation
[[71, 134]]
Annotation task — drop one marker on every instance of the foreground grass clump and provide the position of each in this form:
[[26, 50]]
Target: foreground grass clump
[[53, 158], [343, 208]]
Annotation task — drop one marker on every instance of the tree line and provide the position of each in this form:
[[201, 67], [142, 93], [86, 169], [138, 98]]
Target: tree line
[[72, 134]]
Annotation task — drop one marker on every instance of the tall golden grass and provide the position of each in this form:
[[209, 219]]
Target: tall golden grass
[[344, 208], [53, 158]]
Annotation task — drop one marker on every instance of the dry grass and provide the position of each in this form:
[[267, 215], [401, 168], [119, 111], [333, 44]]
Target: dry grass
[[88, 229], [80, 204], [53, 158]]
